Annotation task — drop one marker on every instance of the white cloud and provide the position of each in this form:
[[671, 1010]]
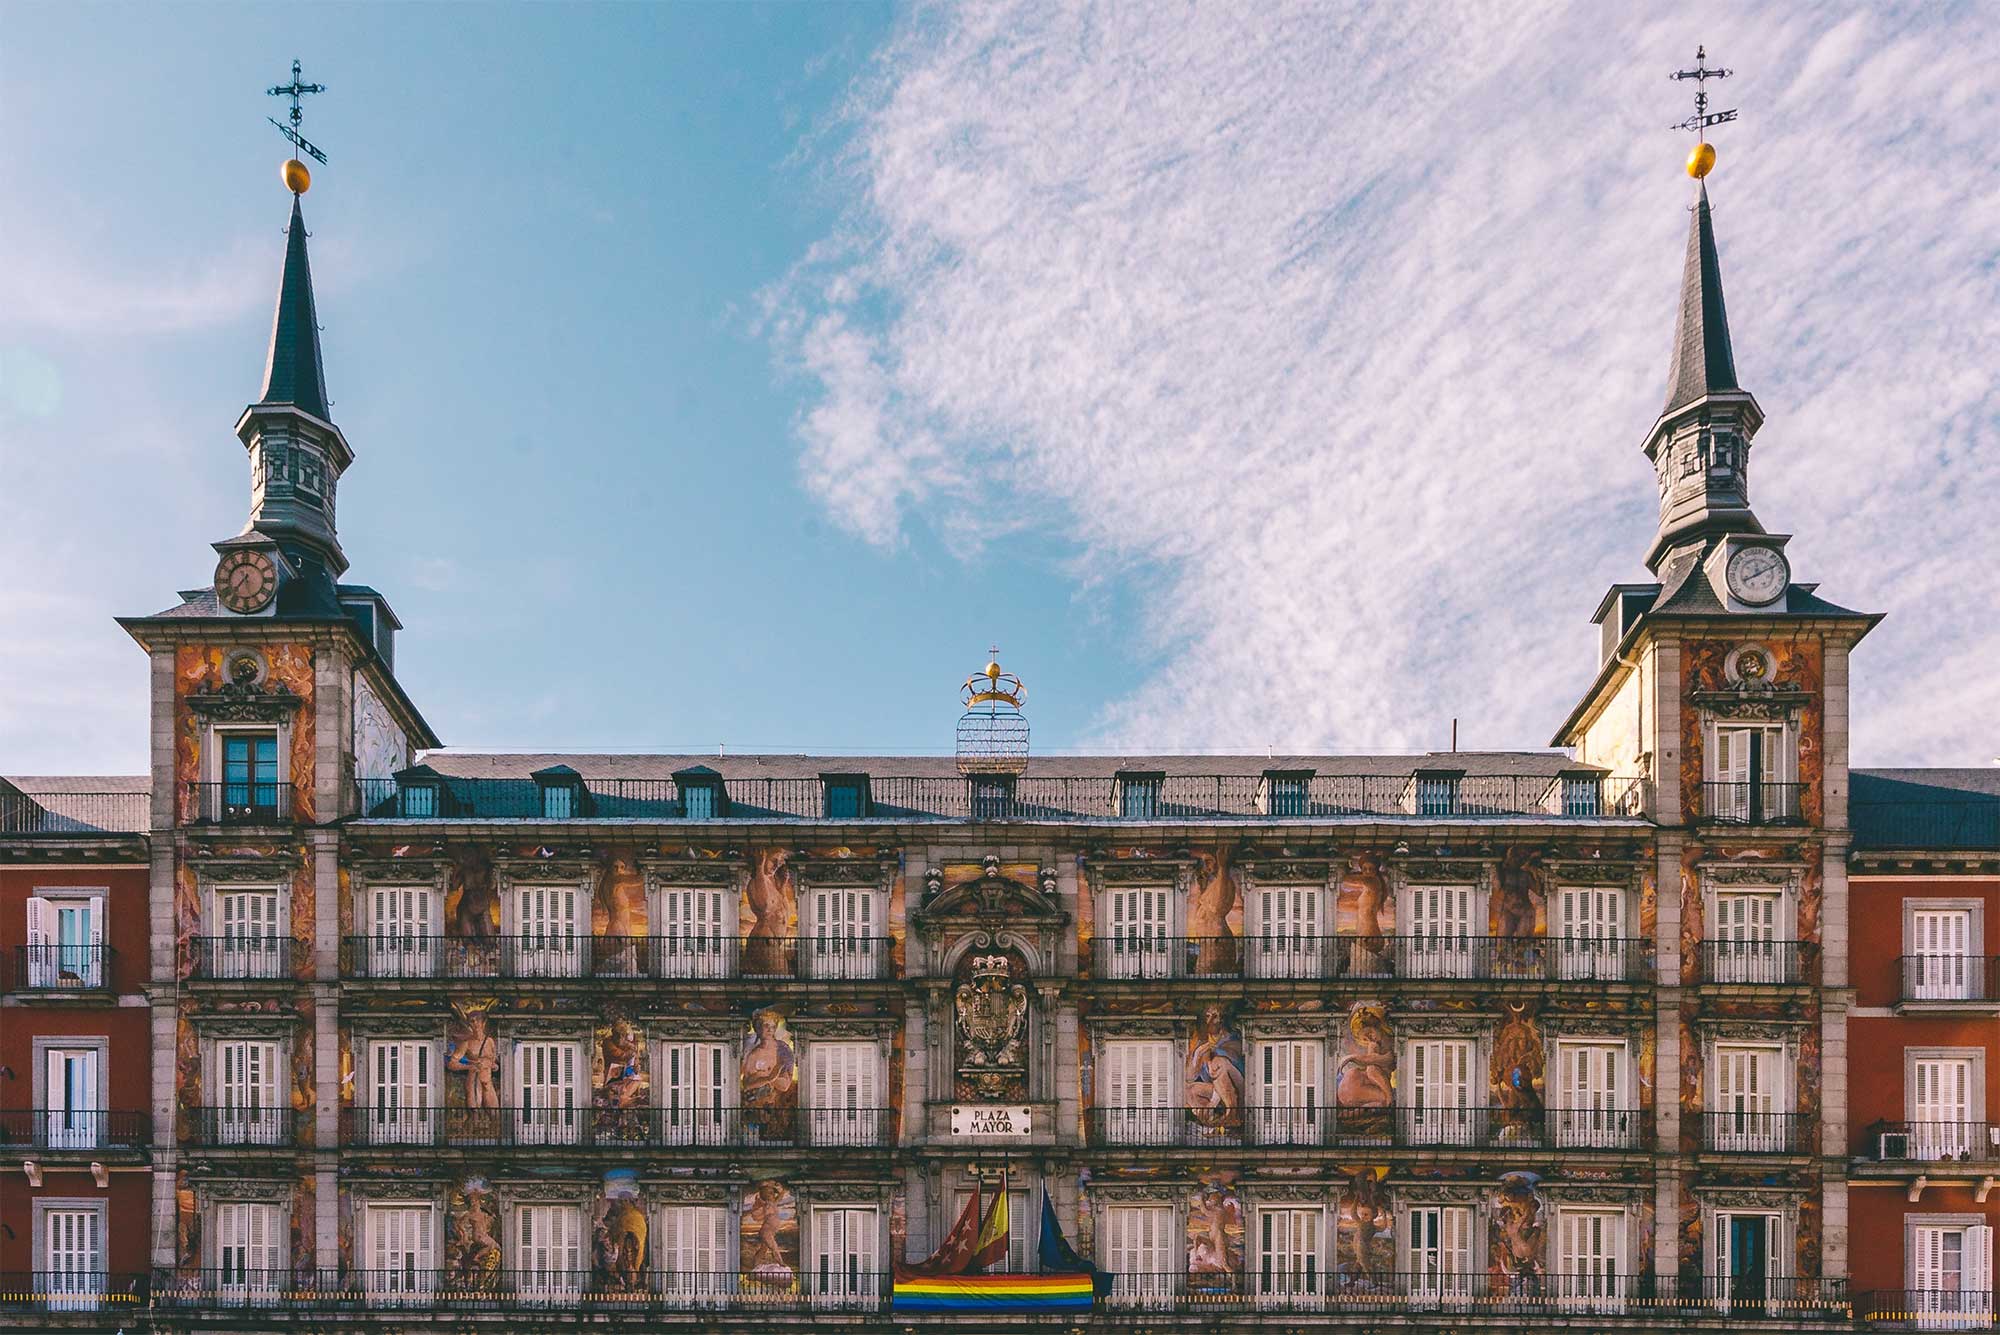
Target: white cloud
[[1343, 329]]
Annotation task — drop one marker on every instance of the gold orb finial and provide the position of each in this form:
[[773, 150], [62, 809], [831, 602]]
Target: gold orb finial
[[298, 180], [1702, 160]]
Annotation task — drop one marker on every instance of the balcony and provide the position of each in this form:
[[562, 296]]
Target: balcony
[[55, 1291], [245, 1128], [1931, 1142], [1482, 958], [60, 968], [619, 1128], [223, 959], [1477, 1294], [526, 1291], [51, 1132], [239, 804], [1755, 803], [1745, 1132], [1947, 982], [1174, 798], [1402, 1127], [72, 815], [1758, 963], [1929, 1309], [693, 958]]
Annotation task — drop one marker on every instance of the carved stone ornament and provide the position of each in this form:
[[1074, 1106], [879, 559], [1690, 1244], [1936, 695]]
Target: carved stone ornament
[[567, 1193], [1316, 874], [246, 697], [842, 1191], [510, 871], [1107, 1027], [398, 1026], [991, 895], [259, 1190], [1759, 706], [1723, 1198], [1563, 1193], [276, 1026], [660, 874], [1431, 1194], [1465, 1025], [1280, 1025], [428, 873], [1262, 1192], [1150, 872], [991, 1006], [1622, 874], [1773, 875], [1439, 871], [273, 867], [1112, 1194], [690, 1193], [370, 1192], [856, 871], [1785, 1029], [817, 1026]]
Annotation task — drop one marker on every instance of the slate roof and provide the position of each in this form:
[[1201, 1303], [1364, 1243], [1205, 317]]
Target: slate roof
[[1939, 809], [1703, 361], [293, 372], [73, 804]]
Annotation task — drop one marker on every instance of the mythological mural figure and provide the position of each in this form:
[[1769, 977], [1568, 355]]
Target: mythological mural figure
[[1213, 1072], [1364, 1079], [471, 900], [1215, 1235], [768, 1238], [1363, 911], [618, 1235], [771, 901], [1517, 1260], [1518, 1076], [1214, 913], [1365, 1234], [471, 1248], [767, 1077], [620, 1088], [472, 1052]]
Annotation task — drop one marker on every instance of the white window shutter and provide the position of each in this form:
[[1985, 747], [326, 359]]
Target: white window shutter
[[1979, 1258]]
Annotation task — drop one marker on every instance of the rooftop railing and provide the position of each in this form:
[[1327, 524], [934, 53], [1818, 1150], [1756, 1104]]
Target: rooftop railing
[[76, 815], [1406, 1127], [1174, 798], [827, 956], [1146, 957]]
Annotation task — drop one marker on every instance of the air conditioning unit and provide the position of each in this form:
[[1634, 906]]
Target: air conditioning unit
[[1892, 1145]]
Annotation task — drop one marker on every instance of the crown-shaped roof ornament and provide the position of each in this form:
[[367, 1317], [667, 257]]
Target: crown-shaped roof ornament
[[992, 733]]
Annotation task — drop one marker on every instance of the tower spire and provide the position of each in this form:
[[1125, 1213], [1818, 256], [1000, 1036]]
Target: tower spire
[[293, 372], [1703, 361]]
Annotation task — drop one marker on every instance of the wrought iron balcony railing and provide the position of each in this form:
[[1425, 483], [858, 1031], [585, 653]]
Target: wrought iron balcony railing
[[1755, 803], [59, 968], [1174, 798], [72, 815], [72, 1291], [1947, 978], [1145, 957], [835, 1287], [1758, 963], [1747, 1132], [623, 1128], [245, 1128], [1929, 1309], [828, 956], [246, 958], [246, 803], [43, 1130], [1415, 1128], [1931, 1142]]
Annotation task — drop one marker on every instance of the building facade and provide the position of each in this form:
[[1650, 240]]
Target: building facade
[[1465, 1041]]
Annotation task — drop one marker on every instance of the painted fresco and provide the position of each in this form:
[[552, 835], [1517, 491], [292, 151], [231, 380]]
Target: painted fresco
[[1364, 1078], [1215, 913], [1215, 1231], [1517, 1233], [769, 911], [472, 1241], [472, 1064], [620, 1087], [1519, 906], [1691, 1084], [291, 666], [380, 747], [187, 1224], [1213, 1073], [618, 897], [618, 1235], [187, 919], [767, 1076], [1364, 1232], [304, 1208], [471, 896], [1365, 909], [768, 1237], [990, 1012], [304, 1082], [187, 1071], [1797, 668], [1518, 1076]]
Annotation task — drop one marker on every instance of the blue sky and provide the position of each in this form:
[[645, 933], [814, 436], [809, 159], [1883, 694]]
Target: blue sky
[[737, 373]]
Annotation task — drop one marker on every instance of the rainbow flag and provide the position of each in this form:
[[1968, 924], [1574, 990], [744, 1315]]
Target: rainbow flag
[[994, 1293]]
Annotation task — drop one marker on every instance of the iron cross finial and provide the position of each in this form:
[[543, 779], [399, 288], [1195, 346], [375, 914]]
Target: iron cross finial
[[295, 90], [1701, 74]]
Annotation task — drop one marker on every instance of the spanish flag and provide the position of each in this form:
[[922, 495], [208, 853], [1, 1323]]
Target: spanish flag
[[991, 1249]]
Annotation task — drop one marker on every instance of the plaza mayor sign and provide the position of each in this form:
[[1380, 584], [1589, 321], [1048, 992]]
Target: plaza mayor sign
[[992, 1121]]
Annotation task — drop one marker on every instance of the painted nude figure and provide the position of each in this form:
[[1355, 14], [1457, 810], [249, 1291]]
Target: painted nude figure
[[1210, 903], [1214, 1072], [772, 896], [768, 1077], [478, 1056]]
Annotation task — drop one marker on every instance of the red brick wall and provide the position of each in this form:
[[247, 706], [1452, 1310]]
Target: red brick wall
[[1875, 926], [128, 1224], [1875, 1227], [126, 927]]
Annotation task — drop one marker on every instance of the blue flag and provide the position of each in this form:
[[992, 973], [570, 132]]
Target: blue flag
[[1059, 1258]]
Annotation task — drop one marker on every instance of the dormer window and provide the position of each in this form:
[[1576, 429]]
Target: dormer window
[[992, 796], [701, 794], [846, 796], [1139, 794], [420, 794], [563, 794], [1579, 793], [1435, 792], [1285, 792]]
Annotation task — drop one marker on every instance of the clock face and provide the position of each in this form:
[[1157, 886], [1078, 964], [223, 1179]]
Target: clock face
[[245, 581], [1757, 575]]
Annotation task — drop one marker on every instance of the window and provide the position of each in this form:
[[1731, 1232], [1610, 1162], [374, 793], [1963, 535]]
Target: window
[[546, 927], [1437, 794], [1020, 1230], [1748, 1114], [1942, 967], [251, 782], [1288, 1259], [1139, 796], [1142, 1253], [403, 925], [1592, 926], [72, 1257], [1135, 1092], [844, 799], [694, 1096], [1943, 1091], [1747, 779], [249, 1112], [843, 1090], [545, 1077], [992, 796], [1438, 1253], [1288, 1108], [1747, 949], [844, 1265], [1591, 1095], [845, 943], [1135, 938], [247, 1251], [548, 1252], [694, 1248], [1438, 1092], [250, 945], [1590, 1260], [695, 936], [698, 801], [401, 1265], [1441, 937], [420, 801], [1581, 795], [1286, 794], [558, 801], [1287, 941], [65, 941], [1746, 1250], [1951, 1273], [401, 1103], [72, 1103]]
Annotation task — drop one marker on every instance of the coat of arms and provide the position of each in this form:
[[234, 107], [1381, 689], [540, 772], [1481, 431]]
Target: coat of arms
[[992, 1008]]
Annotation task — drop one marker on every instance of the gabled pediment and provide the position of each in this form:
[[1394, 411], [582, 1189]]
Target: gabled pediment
[[993, 894]]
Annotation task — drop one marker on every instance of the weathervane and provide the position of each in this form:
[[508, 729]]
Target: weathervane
[[1701, 161], [297, 178]]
